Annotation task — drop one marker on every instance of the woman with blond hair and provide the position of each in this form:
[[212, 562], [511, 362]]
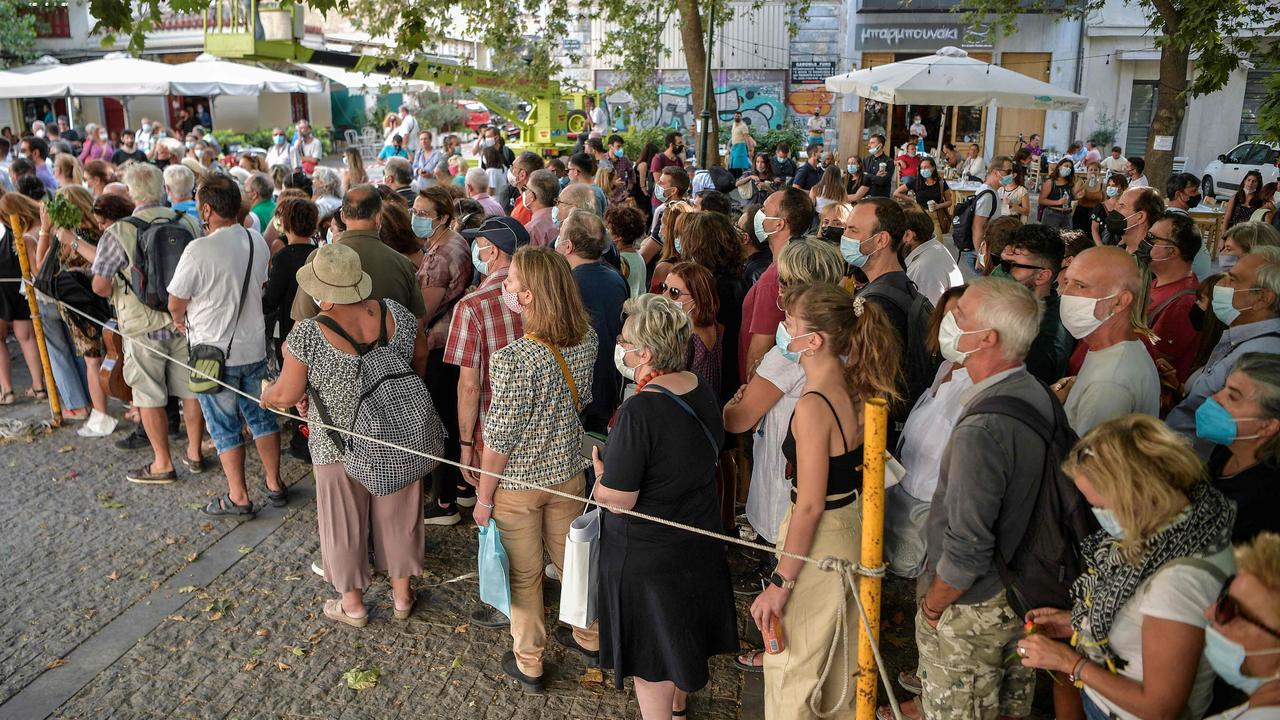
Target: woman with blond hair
[[15, 313], [849, 356], [829, 190], [1242, 642], [666, 605], [1136, 623], [67, 171], [533, 434], [353, 174], [672, 249], [1241, 239]]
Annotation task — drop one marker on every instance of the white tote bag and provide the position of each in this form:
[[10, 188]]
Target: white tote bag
[[580, 578]]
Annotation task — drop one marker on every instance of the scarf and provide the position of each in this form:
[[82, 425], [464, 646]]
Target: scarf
[[1109, 581]]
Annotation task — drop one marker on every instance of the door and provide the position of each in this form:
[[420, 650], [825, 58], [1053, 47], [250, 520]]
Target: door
[[875, 115], [299, 108], [1142, 110], [112, 114], [1014, 122]]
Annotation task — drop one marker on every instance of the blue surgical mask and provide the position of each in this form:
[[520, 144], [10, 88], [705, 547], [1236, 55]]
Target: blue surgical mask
[[1108, 522], [618, 152], [783, 340], [279, 139], [423, 226], [1112, 191], [660, 193], [851, 249], [1226, 656], [481, 266], [555, 216], [1007, 179], [853, 169], [1217, 425], [1224, 304], [679, 247], [926, 172]]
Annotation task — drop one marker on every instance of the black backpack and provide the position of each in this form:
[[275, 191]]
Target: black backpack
[[1047, 559], [160, 245], [962, 221], [920, 364]]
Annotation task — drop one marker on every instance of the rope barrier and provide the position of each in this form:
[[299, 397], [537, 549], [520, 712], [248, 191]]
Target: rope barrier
[[847, 569]]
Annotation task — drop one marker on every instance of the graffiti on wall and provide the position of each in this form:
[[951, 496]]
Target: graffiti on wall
[[803, 100], [757, 95]]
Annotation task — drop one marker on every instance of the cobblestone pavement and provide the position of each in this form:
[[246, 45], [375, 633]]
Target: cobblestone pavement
[[82, 548]]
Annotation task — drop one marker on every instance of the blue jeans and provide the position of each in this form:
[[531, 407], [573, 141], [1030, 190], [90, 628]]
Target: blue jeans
[[1091, 709], [226, 413], [69, 372]]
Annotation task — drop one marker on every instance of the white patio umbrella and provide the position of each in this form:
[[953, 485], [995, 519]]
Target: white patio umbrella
[[114, 75], [210, 75], [360, 83]]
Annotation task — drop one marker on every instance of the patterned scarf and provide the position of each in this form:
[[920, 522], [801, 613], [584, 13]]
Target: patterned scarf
[[1109, 581]]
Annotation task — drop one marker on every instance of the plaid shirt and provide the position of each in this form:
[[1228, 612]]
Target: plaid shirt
[[110, 260], [481, 326]]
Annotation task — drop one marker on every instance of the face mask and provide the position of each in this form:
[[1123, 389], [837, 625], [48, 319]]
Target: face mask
[[679, 150], [851, 249], [949, 334], [146, 127], [875, 149], [758, 224], [619, 355], [278, 139], [618, 153], [511, 177], [1118, 224], [1226, 656], [852, 169], [318, 305], [423, 226], [1193, 200], [1077, 314], [1216, 424], [678, 246], [832, 234], [926, 172], [1112, 191], [489, 142], [40, 133], [328, 236], [189, 145], [1065, 171], [1007, 180], [783, 340], [555, 216], [1108, 522], [512, 301], [481, 266], [1226, 262], [103, 137], [660, 192], [1224, 304]]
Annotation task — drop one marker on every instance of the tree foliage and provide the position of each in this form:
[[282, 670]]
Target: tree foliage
[[18, 25]]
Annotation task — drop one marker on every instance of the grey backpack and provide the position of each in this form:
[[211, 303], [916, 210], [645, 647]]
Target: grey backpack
[[392, 405]]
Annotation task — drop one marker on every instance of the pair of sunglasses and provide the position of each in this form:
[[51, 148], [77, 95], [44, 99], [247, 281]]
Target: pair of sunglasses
[[1009, 265], [1228, 608], [671, 292]]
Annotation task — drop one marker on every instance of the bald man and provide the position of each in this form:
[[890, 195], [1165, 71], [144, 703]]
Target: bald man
[[576, 196], [1100, 291]]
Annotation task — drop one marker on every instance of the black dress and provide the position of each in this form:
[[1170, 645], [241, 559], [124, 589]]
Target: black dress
[[666, 604], [13, 306], [1253, 490]]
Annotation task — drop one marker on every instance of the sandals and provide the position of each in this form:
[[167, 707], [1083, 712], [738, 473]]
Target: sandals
[[195, 467], [333, 610], [750, 664], [224, 506], [36, 394], [404, 614], [278, 499], [7, 397]]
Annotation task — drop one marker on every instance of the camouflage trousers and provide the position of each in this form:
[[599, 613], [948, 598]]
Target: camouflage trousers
[[963, 663]]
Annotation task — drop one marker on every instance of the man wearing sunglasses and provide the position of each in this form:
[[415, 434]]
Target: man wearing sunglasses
[[1242, 641], [1033, 258]]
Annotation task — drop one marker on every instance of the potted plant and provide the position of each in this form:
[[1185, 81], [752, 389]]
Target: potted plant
[[276, 19]]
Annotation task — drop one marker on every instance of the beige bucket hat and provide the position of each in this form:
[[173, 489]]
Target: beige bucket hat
[[334, 276]]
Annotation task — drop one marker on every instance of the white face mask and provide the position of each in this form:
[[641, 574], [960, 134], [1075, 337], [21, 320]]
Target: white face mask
[[1078, 314], [949, 334], [619, 361]]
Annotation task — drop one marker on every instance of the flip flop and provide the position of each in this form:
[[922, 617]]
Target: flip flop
[[750, 664], [7, 397], [333, 610], [226, 507]]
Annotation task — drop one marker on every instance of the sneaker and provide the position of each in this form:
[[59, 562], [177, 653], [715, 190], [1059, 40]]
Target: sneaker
[[910, 682], [135, 440], [317, 568], [487, 616], [551, 572], [466, 496], [433, 514], [145, 476]]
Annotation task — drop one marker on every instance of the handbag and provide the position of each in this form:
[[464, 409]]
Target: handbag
[[209, 362], [580, 573], [46, 277], [494, 570]]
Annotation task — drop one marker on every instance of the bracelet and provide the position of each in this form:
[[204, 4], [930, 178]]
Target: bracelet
[[482, 503], [467, 443], [929, 613], [1078, 671]]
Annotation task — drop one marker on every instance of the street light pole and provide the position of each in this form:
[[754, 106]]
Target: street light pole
[[707, 90]]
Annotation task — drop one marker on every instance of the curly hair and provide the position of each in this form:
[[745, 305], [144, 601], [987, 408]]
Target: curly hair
[[626, 224]]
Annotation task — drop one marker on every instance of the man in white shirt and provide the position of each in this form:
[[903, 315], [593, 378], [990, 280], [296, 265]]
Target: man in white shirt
[[1115, 162], [215, 299], [281, 152], [1137, 176], [599, 118], [309, 148], [408, 128], [929, 264], [1118, 377], [143, 136]]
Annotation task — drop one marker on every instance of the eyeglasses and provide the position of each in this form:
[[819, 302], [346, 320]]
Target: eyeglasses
[[672, 292], [1009, 265], [420, 213], [1227, 608]]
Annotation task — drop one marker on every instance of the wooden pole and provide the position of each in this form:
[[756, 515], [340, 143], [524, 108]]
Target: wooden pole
[[872, 551], [51, 388]]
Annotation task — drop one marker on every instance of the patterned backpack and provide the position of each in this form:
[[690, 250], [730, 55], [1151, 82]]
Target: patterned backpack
[[392, 405]]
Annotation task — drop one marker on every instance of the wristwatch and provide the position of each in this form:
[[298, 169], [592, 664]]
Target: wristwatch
[[782, 582]]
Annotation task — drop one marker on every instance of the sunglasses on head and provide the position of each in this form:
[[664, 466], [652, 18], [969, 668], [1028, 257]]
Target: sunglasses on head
[[1228, 608], [672, 292]]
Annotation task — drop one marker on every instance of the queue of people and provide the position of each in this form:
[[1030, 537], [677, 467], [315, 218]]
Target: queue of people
[[1022, 356]]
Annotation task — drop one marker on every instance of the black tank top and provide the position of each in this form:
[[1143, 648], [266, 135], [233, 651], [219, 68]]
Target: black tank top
[[844, 472], [926, 192]]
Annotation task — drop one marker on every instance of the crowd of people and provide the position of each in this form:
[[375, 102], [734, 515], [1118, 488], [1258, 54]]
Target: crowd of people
[[1086, 404]]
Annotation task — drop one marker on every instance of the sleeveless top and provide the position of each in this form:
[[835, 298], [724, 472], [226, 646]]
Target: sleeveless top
[[844, 472], [926, 192], [1056, 192]]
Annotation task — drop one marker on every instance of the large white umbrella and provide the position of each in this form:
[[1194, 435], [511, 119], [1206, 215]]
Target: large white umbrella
[[951, 77], [114, 75], [209, 75], [359, 83]]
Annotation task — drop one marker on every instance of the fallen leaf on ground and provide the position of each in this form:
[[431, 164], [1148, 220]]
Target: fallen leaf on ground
[[175, 618], [358, 678], [293, 578], [89, 613], [298, 652], [55, 663], [245, 549], [66, 449], [592, 676], [461, 628], [282, 665], [194, 506], [456, 664], [108, 501], [191, 557], [250, 665], [187, 589], [114, 576], [263, 632], [206, 527], [170, 540]]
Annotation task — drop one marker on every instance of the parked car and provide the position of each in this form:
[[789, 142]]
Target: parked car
[[1222, 177], [477, 114]]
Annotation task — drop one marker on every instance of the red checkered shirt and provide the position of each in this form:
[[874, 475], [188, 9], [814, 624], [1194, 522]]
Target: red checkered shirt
[[481, 326]]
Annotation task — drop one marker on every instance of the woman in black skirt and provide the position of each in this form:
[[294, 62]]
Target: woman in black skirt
[[666, 604]]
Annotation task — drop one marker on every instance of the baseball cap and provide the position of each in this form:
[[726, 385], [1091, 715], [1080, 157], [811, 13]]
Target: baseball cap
[[504, 232]]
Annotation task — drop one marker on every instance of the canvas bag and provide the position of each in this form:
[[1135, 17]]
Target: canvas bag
[[494, 570]]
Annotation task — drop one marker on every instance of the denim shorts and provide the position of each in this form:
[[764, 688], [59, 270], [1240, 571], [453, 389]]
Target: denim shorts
[[226, 413]]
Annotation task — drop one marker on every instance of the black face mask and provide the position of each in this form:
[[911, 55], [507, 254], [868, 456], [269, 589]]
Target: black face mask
[[1196, 316], [679, 150], [1116, 223], [1193, 200], [832, 234], [1143, 254]]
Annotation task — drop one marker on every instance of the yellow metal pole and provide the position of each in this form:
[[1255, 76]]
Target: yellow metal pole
[[20, 246], [876, 414]]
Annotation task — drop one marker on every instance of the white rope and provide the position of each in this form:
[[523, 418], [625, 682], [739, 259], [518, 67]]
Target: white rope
[[846, 569]]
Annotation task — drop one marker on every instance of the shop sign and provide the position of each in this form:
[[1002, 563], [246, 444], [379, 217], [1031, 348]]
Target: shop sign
[[811, 72], [917, 36]]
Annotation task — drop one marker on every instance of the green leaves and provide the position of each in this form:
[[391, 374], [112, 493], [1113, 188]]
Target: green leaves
[[358, 678]]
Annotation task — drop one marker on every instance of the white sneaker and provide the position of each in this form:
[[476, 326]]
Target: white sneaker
[[98, 425], [551, 571], [315, 568]]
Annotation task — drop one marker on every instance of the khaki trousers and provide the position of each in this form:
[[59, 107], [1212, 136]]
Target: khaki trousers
[[531, 521], [808, 626], [347, 513]]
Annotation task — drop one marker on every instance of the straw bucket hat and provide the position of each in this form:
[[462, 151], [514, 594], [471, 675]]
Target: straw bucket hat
[[334, 276]]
